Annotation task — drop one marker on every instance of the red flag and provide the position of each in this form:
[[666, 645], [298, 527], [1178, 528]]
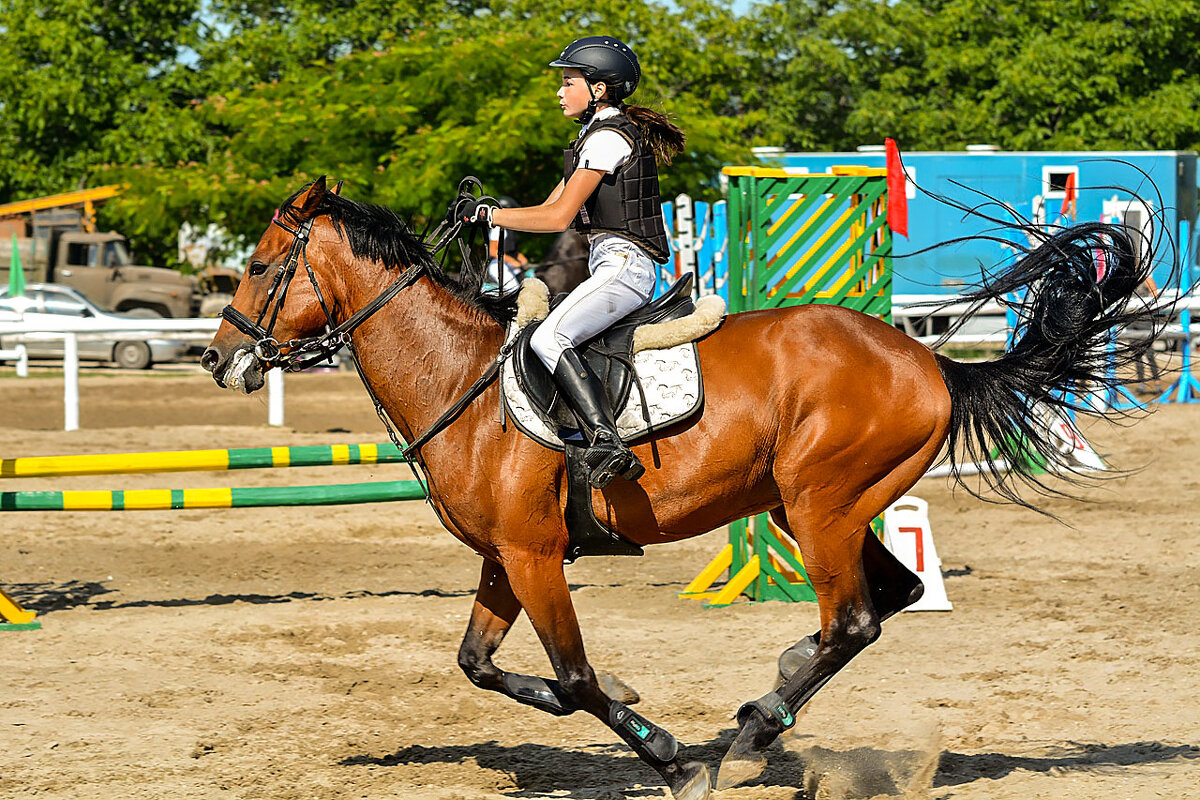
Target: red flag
[[1068, 205], [897, 211]]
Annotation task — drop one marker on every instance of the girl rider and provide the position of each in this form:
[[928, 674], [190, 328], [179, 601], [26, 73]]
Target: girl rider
[[609, 192]]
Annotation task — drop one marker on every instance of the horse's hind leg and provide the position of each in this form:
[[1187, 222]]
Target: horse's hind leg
[[893, 588], [832, 551], [831, 524], [495, 610], [539, 584]]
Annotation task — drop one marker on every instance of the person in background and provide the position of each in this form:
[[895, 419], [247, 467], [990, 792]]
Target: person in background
[[502, 282]]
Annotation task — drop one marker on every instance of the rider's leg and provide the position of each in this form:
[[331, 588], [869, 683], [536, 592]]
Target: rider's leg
[[622, 281], [606, 456]]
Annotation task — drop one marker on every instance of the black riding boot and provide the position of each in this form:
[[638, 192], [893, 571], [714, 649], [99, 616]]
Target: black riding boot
[[607, 456]]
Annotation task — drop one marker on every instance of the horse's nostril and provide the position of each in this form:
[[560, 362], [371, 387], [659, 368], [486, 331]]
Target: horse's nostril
[[210, 359]]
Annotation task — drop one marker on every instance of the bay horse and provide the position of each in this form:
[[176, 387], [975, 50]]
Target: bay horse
[[840, 416]]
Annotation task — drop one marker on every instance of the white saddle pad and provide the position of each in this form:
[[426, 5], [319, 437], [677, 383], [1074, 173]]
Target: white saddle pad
[[670, 378]]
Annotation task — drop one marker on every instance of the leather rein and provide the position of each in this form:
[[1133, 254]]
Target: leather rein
[[305, 351]]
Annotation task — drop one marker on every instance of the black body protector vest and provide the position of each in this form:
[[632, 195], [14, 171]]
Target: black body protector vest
[[626, 201]]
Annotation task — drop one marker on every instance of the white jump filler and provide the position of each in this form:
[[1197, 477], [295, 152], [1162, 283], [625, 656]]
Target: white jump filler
[[906, 533]]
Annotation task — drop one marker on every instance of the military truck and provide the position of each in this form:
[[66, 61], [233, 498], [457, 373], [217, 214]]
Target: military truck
[[57, 243]]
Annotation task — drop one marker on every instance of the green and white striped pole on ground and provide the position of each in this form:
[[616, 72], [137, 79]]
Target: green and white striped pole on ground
[[165, 499]]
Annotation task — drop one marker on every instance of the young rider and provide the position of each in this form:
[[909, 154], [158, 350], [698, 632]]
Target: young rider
[[609, 192]]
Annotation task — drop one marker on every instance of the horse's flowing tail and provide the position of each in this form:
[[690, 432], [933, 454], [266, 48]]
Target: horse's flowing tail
[[1078, 288]]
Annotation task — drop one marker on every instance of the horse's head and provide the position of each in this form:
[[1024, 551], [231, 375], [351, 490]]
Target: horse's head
[[270, 307]]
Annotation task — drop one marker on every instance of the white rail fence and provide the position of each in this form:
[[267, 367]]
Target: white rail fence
[[71, 328]]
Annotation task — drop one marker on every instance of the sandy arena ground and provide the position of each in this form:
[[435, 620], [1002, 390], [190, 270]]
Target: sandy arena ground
[[293, 653]]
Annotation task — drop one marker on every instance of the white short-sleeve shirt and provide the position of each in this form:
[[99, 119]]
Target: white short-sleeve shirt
[[605, 151]]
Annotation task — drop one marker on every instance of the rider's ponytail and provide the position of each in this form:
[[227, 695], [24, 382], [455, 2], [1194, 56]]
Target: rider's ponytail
[[665, 138]]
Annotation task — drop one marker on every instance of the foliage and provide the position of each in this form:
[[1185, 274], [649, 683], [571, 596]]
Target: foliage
[[83, 84], [403, 118], [214, 110]]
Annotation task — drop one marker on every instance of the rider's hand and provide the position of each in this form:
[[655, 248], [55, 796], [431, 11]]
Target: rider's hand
[[477, 211], [457, 207]]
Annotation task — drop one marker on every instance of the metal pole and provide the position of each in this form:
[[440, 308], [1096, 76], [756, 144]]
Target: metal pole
[[70, 382]]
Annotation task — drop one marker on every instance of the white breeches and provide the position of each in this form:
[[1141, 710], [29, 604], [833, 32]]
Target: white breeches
[[622, 281]]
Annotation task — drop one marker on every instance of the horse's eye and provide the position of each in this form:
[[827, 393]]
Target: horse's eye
[[257, 268]]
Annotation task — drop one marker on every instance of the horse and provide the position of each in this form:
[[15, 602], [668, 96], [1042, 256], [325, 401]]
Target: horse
[[841, 414], [565, 265]]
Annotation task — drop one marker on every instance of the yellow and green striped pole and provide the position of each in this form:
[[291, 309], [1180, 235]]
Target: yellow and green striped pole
[[200, 460], [164, 499]]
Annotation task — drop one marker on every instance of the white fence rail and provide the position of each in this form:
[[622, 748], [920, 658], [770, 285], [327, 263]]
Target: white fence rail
[[70, 328]]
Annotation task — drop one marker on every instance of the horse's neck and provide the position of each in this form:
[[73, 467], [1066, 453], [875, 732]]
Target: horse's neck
[[421, 351]]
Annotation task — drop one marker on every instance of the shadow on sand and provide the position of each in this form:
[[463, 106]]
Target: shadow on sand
[[611, 772]]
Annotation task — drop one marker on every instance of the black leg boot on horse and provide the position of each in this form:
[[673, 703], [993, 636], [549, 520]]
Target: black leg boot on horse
[[606, 455]]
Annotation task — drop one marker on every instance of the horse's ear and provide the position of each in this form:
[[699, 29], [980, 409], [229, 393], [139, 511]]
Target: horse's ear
[[337, 187], [312, 200]]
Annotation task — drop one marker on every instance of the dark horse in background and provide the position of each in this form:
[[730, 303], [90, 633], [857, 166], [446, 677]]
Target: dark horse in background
[[818, 414], [565, 265]]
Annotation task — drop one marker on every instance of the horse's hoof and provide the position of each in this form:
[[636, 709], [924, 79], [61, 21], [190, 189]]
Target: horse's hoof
[[617, 689], [745, 759], [737, 769], [695, 784]]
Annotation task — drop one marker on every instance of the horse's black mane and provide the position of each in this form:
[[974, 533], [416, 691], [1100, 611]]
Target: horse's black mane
[[378, 233]]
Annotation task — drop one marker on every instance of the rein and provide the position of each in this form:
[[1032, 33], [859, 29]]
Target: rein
[[306, 351]]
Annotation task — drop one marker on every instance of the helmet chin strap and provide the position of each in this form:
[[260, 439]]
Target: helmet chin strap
[[590, 111]]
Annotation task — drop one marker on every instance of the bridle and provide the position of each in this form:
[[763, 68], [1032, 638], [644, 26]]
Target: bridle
[[305, 351]]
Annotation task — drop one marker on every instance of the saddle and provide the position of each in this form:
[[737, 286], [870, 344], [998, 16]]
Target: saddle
[[609, 355]]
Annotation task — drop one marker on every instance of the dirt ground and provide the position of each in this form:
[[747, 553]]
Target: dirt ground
[[298, 653]]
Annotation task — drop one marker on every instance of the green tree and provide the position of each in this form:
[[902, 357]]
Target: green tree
[[402, 115], [1102, 74], [83, 84]]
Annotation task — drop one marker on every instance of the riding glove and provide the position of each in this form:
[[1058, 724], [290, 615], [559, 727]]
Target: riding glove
[[478, 211]]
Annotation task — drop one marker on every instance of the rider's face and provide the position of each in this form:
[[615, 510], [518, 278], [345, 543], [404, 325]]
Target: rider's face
[[573, 94]]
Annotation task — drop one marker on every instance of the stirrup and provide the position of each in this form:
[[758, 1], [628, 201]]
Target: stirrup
[[619, 461]]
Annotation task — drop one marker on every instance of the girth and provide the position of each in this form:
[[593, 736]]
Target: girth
[[609, 355]]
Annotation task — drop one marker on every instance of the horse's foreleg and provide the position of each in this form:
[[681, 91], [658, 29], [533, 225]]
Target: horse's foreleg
[[541, 587], [496, 608]]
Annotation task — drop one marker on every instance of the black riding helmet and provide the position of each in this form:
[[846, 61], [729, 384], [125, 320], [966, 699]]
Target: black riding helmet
[[603, 59]]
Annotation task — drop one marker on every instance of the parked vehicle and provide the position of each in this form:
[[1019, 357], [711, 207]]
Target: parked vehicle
[[58, 243], [48, 302]]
